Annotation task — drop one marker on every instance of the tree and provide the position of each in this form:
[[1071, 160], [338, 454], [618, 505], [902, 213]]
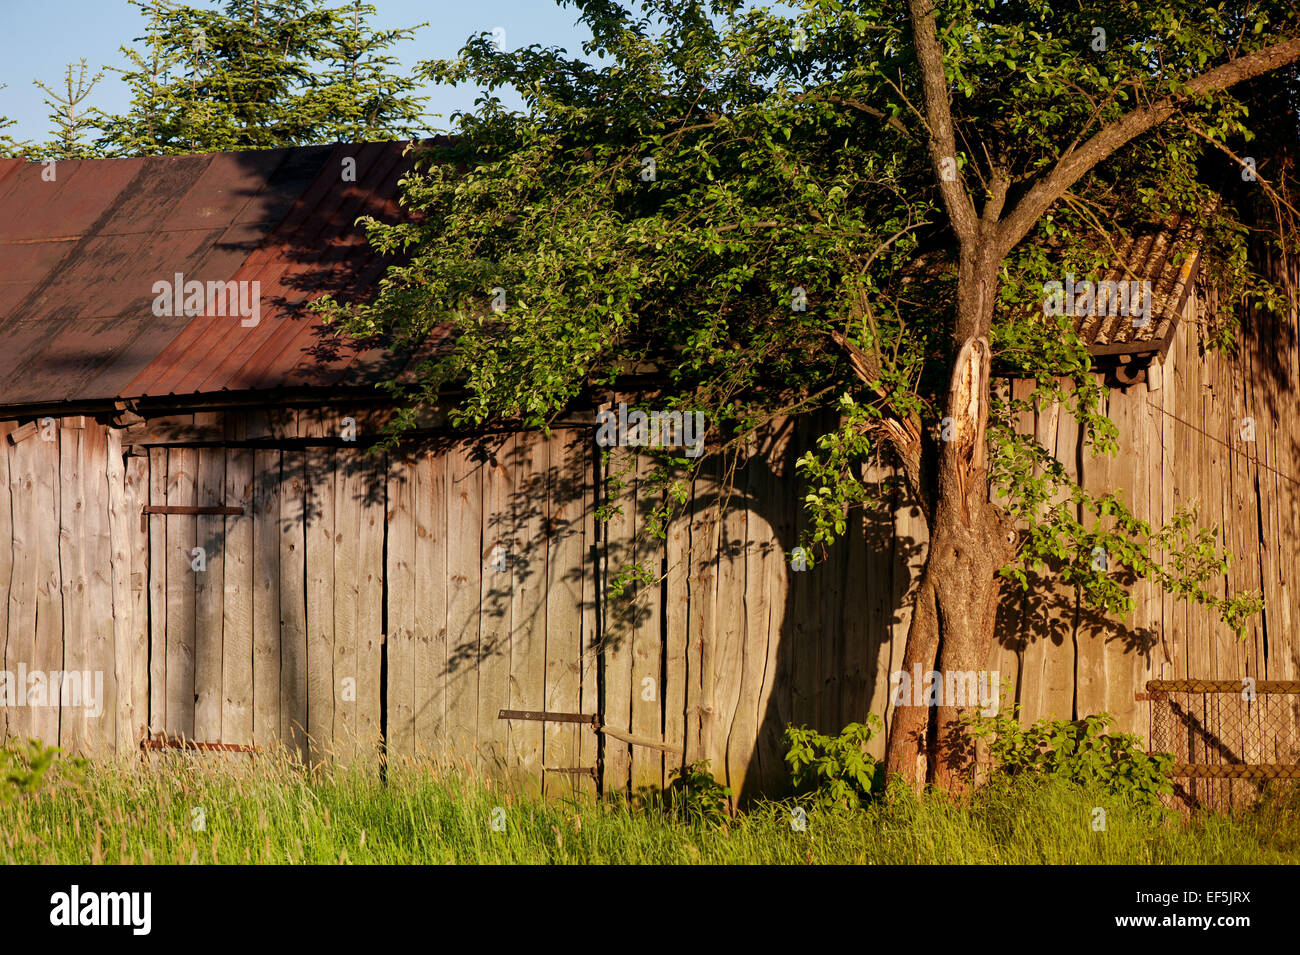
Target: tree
[[858, 208], [9, 147], [259, 74], [70, 123]]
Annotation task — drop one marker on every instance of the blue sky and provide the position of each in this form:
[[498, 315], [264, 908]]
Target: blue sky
[[38, 40]]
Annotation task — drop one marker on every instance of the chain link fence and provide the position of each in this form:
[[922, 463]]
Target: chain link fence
[[1229, 738]]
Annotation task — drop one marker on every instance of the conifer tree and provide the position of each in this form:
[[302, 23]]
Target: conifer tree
[[70, 122], [259, 74]]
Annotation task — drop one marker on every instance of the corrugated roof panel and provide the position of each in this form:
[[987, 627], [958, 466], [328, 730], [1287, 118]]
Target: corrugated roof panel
[[304, 260], [1168, 258], [142, 208], [32, 207], [79, 258]]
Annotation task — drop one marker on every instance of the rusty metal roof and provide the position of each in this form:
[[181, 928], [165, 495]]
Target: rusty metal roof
[[80, 253], [79, 257]]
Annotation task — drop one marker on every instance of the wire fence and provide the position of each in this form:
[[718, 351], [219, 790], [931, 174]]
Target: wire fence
[[1228, 737]]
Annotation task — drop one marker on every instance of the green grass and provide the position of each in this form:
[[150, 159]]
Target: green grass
[[268, 811]]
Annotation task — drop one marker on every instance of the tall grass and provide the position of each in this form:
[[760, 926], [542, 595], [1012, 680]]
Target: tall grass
[[268, 810]]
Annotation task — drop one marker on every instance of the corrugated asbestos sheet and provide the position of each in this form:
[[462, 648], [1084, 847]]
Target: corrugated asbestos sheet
[[79, 257], [1168, 257]]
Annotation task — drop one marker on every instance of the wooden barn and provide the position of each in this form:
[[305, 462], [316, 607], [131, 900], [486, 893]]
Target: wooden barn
[[189, 515]]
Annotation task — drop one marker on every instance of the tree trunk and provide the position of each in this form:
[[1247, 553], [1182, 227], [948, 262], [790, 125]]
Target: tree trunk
[[970, 538]]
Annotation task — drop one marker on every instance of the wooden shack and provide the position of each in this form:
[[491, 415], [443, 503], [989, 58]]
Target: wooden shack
[[190, 510]]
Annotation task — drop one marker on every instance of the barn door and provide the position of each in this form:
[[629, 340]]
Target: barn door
[[199, 517], [266, 596]]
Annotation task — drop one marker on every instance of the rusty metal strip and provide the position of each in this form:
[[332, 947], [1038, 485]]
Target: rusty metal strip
[[1237, 771], [594, 721], [1221, 686], [163, 741], [548, 717]]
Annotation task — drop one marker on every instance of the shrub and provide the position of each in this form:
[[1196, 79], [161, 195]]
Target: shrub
[[1079, 751], [23, 766], [836, 771], [695, 796]]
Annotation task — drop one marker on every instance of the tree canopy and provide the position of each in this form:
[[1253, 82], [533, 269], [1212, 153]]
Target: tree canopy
[[727, 193], [251, 74]]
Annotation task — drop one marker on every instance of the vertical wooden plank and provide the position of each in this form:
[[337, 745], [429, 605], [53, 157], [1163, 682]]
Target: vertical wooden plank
[[1123, 657], [20, 642], [137, 495], [1243, 515], [158, 566], [586, 468], [1067, 658], [402, 589], [100, 640], [70, 558], [1150, 619], [677, 609], [182, 464], [210, 665], [498, 559], [237, 605], [1029, 639], [874, 582], [268, 720], [1199, 662], [620, 629], [430, 664], [702, 583], [730, 627], [1226, 648], [528, 631], [1174, 449], [370, 607], [321, 685], [755, 614], [7, 510], [293, 601], [827, 576], [564, 493], [123, 536], [907, 560], [647, 640], [465, 573], [766, 620], [348, 506], [1012, 635]]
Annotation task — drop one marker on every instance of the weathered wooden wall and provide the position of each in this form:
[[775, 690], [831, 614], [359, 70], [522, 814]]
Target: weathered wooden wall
[[417, 594]]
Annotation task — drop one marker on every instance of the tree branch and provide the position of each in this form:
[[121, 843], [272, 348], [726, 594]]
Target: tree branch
[[1074, 165], [904, 432], [938, 112], [893, 122]]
